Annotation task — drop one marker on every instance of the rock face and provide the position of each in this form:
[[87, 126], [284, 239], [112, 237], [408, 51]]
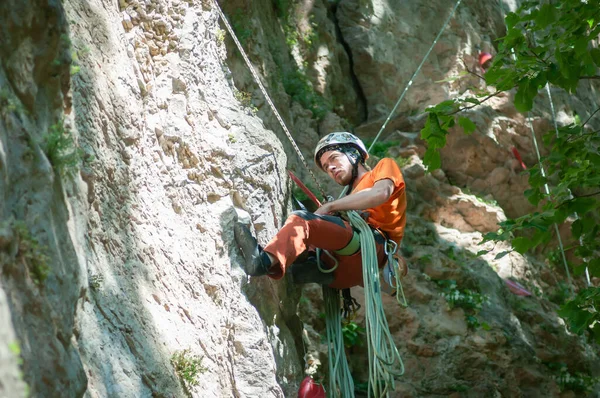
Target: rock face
[[138, 245], [132, 137], [388, 40]]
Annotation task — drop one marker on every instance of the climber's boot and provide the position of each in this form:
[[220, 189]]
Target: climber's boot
[[257, 262]]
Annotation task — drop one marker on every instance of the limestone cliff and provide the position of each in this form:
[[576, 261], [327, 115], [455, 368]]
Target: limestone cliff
[[131, 138]]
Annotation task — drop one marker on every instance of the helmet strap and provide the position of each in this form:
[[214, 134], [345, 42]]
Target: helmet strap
[[354, 157]]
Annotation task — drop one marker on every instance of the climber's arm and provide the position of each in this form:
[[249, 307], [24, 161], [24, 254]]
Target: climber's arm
[[365, 199]]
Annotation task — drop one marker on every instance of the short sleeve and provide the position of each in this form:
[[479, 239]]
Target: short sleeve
[[388, 169]]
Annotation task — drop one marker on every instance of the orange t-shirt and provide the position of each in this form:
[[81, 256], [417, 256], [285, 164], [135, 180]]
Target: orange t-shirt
[[390, 217]]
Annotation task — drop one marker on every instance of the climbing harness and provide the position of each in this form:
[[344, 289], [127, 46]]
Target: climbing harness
[[266, 94]]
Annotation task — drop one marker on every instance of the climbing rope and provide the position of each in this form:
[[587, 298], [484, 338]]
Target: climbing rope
[[384, 359], [341, 383], [539, 158], [414, 75], [266, 95], [547, 190], [587, 272]]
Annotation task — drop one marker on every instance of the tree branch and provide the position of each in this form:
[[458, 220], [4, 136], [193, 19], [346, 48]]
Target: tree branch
[[480, 102], [470, 71], [596, 77], [587, 195], [588, 119]]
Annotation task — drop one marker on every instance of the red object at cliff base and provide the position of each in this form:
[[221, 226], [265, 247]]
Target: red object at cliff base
[[310, 389], [485, 60], [517, 288]]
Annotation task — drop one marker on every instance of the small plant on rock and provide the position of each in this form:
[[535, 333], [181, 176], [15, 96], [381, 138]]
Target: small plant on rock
[[187, 367], [10, 103], [240, 23], [467, 299], [31, 253], [299, 87], [577, 382], [96, 282], [353, 334], [220, 35], [245, 98], [62, 151]]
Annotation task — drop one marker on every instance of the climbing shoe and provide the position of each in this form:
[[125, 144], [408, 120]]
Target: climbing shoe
[[257, 262]]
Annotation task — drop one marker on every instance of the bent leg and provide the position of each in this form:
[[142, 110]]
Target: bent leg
[[301, 230]]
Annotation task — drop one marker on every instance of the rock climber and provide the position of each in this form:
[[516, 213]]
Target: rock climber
[[379, 194]]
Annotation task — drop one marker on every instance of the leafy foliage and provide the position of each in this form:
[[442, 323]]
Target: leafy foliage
[[582, 312], [353, 334], [472, 302], [380, 149], [299, 87], [32, 253], [545, 43], [59, 145], [576, 382], [241, 26], [187, 367]]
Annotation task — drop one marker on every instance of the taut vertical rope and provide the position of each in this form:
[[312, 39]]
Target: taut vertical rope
[[587, 272], [266, 95], [414, 75]]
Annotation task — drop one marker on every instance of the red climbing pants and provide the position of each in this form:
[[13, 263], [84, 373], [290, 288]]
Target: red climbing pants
[[304, 230]]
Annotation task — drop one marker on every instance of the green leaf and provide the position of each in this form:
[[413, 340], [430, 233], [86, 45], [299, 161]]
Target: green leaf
[[472, 101], [482, 252], [546, 15], [444, 107], [577, 228], [594, 267], [534, 196], [595, 53], [524, 97], [511, 20], [522, 244], [467, 125], [582, 205], [432, 159], [501, 254]]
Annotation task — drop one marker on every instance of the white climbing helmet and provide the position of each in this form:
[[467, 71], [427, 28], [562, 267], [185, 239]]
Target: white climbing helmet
[[339, 140]]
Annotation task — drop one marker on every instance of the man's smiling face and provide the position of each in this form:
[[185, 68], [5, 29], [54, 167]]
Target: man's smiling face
[[337, 165]]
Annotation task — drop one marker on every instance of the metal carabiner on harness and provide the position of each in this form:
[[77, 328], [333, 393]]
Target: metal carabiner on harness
[[389, 275], [391, 271]]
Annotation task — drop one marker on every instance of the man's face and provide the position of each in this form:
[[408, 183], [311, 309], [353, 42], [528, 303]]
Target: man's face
[[338, 166]]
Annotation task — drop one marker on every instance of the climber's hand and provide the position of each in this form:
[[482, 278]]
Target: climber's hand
[[325, 209]]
